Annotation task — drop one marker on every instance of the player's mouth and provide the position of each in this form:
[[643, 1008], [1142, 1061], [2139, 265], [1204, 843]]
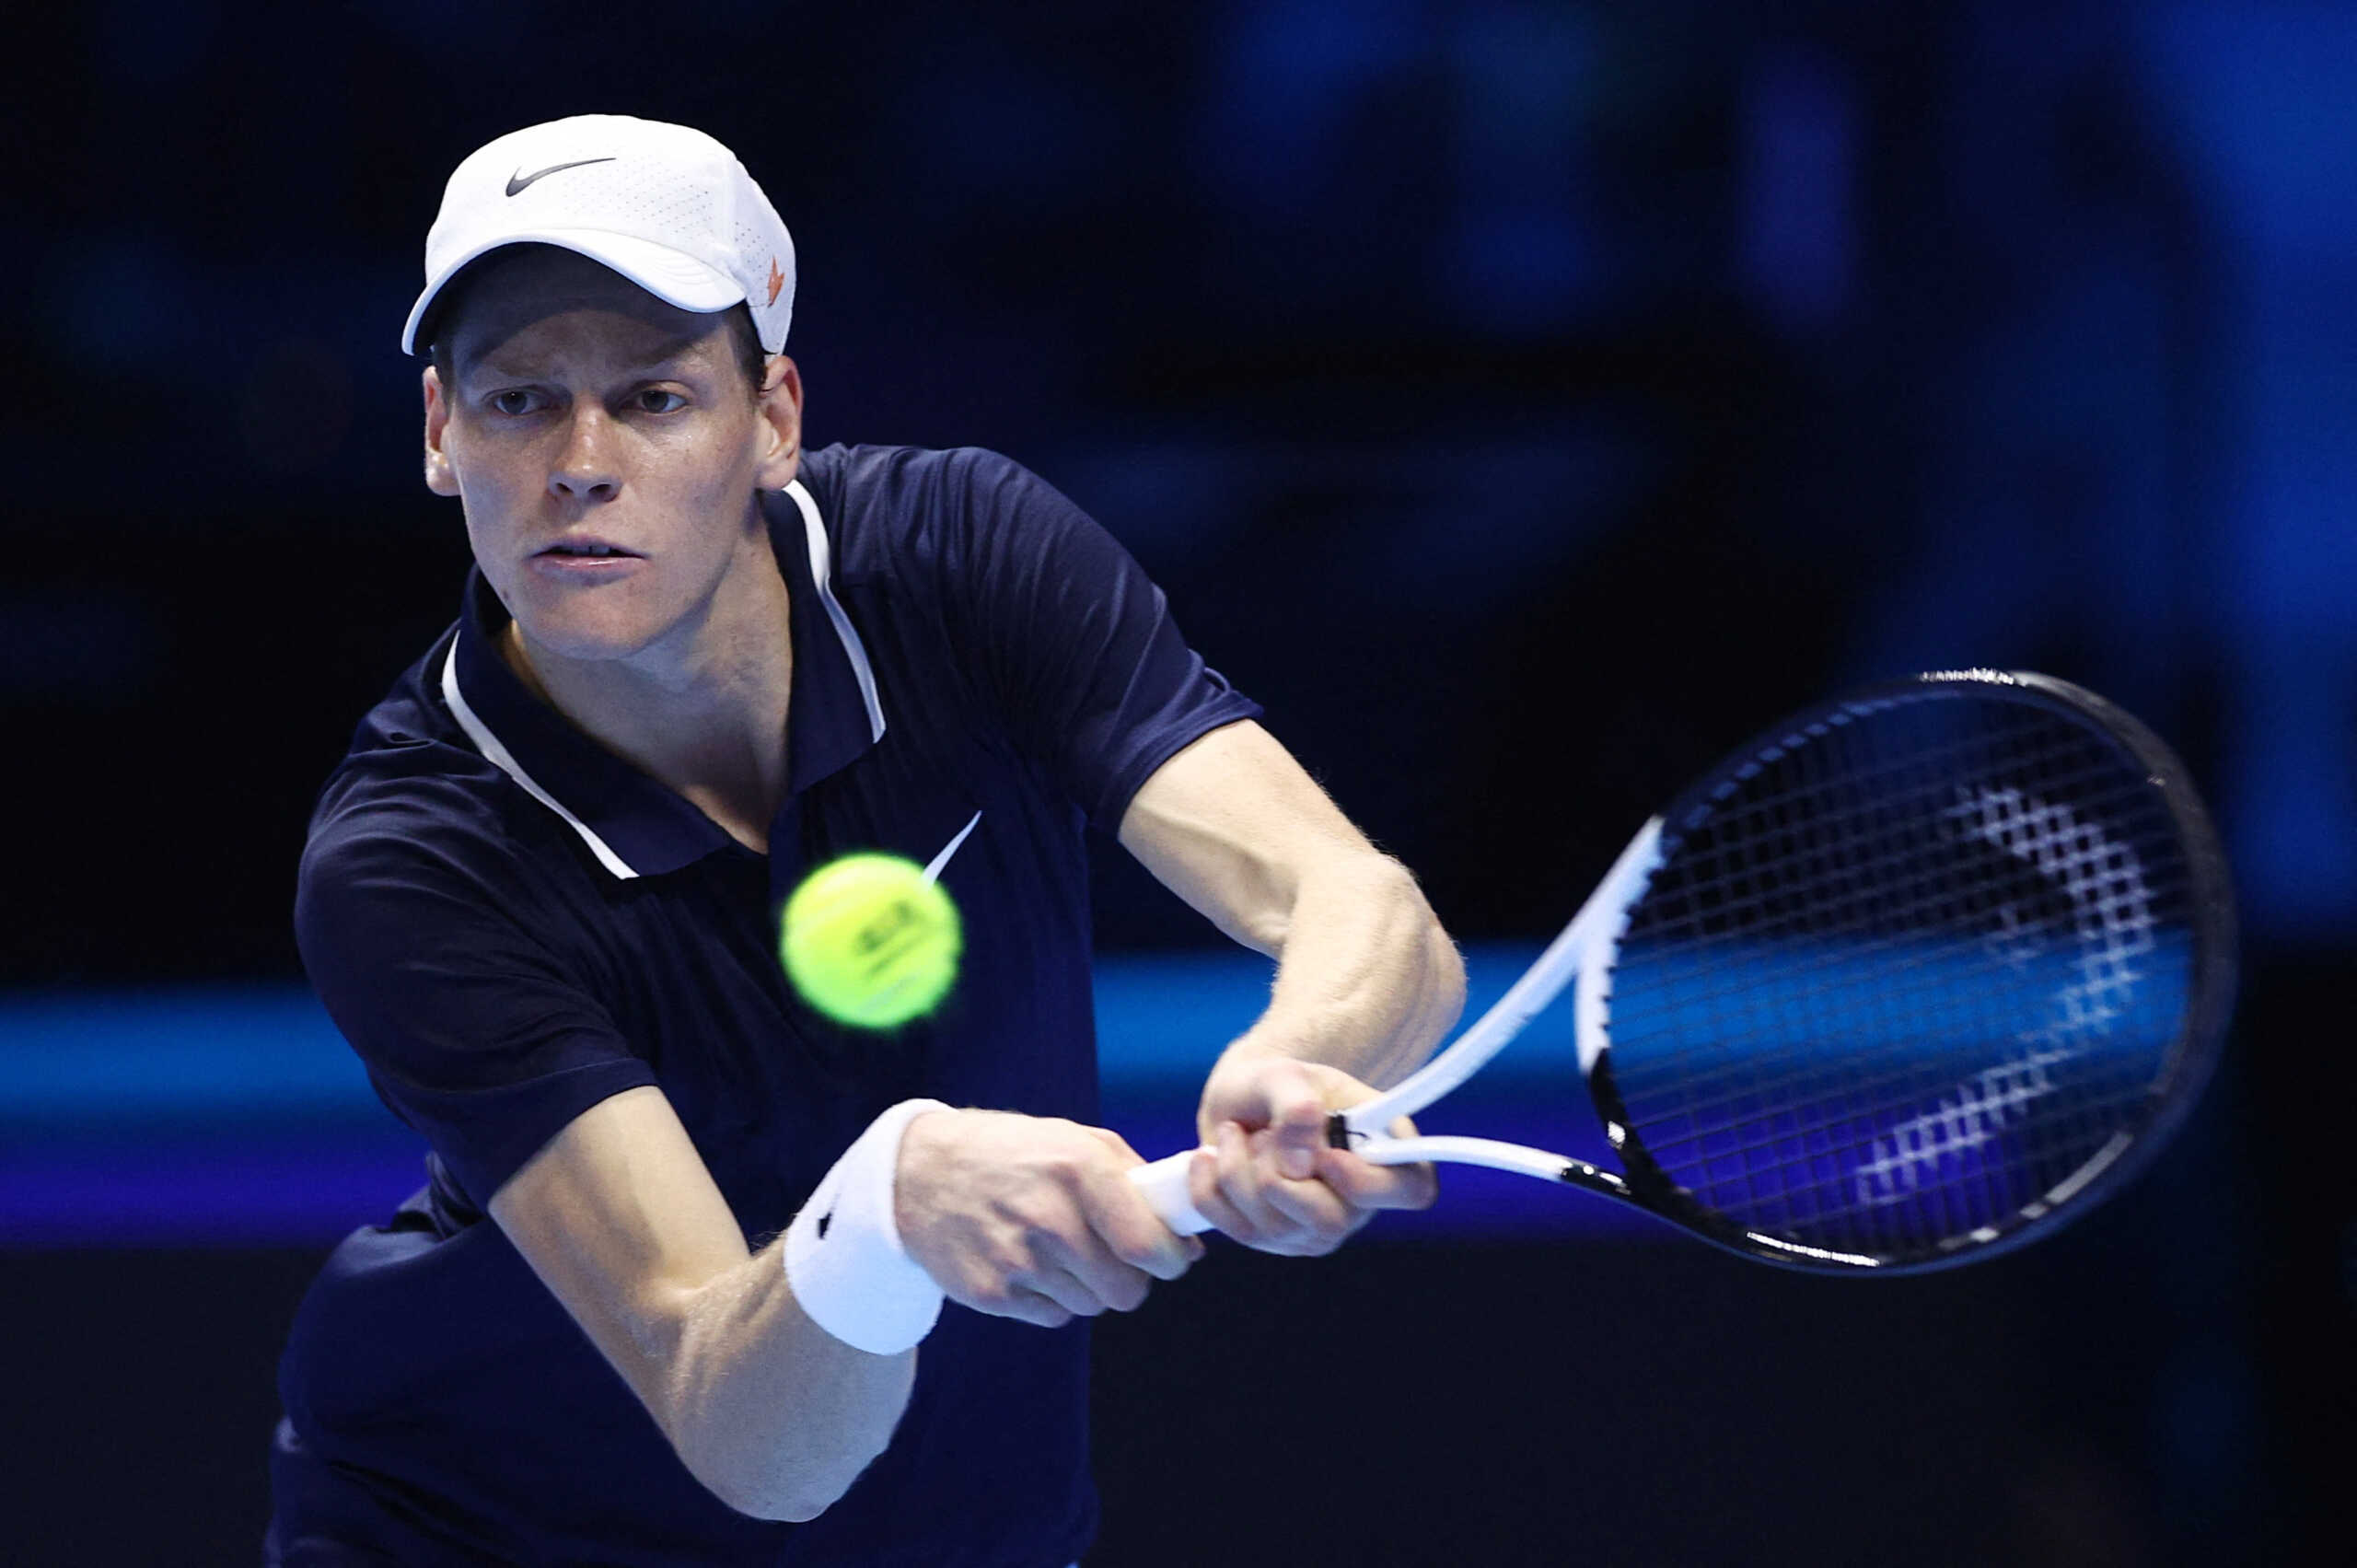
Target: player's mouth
[[584, 557]]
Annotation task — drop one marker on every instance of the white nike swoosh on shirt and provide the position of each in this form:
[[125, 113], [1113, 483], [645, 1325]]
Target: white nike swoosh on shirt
[[932, 872]]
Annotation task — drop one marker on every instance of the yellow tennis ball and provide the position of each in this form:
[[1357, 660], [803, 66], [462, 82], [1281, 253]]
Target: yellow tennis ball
[[870, 940]]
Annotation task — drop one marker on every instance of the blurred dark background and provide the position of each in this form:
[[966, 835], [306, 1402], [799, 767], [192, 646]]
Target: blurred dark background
[[1524, 401]]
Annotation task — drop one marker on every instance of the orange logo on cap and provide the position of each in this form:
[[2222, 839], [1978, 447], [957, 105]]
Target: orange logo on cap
[[777, 280]]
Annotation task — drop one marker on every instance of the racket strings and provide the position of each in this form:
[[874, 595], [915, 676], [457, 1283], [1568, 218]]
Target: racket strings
[[1762, 1179], [1797, 1169], [1765, 1163], [1733, 885], [1840, 844], [1903, 974], [1755, 1158], [1855, 892], [1787, 1092], [1825, 968], [1823, 986]]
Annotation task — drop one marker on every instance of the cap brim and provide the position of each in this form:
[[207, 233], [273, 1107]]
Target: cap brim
[[667, 274]]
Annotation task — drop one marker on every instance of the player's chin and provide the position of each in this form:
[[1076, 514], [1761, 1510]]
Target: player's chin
[[588, 629]]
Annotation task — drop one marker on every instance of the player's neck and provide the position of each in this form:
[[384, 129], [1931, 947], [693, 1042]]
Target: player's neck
[[703, 711]]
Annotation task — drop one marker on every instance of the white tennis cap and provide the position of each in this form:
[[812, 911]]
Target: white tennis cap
[[668, 207]]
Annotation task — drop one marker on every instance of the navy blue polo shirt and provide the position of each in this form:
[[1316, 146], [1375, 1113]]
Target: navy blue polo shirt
[[509, 923]]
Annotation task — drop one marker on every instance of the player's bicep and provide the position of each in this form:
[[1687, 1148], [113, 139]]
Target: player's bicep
[[619, 1218], [1232, 823]]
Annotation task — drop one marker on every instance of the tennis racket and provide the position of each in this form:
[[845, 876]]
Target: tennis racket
[[1916, 976]]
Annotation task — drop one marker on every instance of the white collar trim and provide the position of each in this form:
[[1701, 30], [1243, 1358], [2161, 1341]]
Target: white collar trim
[[490, 746], [821, 562]]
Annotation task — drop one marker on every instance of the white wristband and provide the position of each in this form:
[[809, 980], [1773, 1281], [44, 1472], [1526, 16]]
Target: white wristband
[[843, 1256]]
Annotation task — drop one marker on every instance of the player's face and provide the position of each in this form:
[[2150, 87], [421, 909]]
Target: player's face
[[606, 449]]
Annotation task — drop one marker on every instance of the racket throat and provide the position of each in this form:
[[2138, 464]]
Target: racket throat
[[1579, 1173]]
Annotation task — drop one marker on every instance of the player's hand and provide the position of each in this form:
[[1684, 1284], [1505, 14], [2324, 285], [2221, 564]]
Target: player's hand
[[1029, 1217], [1265, 1174]]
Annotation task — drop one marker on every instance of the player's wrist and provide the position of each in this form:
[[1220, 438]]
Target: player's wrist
[[845, 1256]]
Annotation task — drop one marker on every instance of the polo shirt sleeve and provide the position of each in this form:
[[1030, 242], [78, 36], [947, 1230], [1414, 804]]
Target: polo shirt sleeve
[[471, 1027], [1077, 644]]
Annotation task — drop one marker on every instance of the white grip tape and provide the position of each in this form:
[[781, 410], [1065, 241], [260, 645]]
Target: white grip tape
[[843, 1255], [1165, 1185]]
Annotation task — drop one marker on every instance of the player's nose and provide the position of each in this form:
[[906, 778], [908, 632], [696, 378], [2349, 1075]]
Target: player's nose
[[585, 469]]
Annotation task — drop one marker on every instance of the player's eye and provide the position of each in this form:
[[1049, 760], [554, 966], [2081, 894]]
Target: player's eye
[[659, 400], [513, 400]]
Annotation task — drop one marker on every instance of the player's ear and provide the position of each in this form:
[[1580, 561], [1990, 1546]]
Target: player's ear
[[440, 478], [780, 434]]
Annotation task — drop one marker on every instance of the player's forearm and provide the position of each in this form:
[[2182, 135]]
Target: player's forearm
[[768, 1410], [1366, 978]]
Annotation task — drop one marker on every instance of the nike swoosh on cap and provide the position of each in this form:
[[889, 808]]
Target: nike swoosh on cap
[[519, 179]]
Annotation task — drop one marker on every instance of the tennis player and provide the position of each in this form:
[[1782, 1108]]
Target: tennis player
[[699, 1277]]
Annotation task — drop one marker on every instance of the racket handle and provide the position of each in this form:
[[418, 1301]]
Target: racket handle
[[1165, 1185]]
